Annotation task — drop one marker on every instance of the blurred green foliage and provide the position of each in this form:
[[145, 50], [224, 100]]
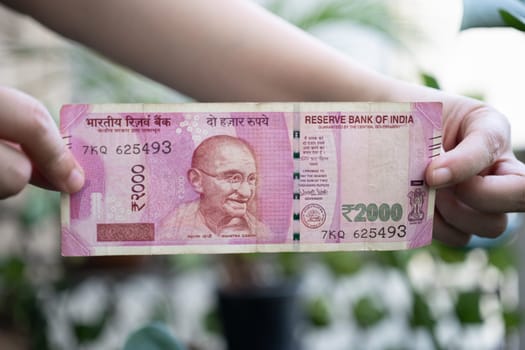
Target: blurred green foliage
[[429, 80], [368, 311], [154, 336], [97, 80], [212, 322], [318, 312], [20, 308], [39, 205], [343, 263], [421, 315], [87, 332], [512, 21], [467, 307], [376, 16]]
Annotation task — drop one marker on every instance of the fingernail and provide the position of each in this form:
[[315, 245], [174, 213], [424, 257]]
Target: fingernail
[[75, 180], [441, 176]]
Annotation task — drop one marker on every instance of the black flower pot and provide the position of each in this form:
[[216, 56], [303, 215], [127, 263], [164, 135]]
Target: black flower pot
[[262, 318]]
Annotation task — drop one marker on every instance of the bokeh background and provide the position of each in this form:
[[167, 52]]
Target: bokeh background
[[431, 298]]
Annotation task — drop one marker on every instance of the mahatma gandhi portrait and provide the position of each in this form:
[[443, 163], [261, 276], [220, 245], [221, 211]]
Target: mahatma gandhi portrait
[[224, 174]]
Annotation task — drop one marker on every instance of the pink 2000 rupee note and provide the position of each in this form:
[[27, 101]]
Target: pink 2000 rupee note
[[249, 177]]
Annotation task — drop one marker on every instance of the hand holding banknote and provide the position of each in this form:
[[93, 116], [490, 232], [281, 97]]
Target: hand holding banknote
[[31, 148], [479, 177], [271, 60]]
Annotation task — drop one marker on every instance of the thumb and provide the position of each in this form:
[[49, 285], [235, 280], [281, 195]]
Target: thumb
[[475, 153]]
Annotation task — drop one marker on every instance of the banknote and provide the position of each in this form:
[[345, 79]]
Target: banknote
[[249, 177]]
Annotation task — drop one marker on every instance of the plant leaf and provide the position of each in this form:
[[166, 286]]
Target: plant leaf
[[430, 80], [421, 313], [486, 13], [468, 307], [512, 21], [367, 312], [154, 336], [318, 312]]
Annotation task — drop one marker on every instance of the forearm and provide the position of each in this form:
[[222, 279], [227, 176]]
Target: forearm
[[234, 52]]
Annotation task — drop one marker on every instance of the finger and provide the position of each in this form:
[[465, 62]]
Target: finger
[[495, 193], [15, 171], [36, 178], [26, 122], [473, 141], [39, 180], [467, 219], [447, 234], [475, 153]]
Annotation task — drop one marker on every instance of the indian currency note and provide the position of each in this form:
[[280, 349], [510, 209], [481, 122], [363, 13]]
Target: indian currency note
[[249, 177]]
